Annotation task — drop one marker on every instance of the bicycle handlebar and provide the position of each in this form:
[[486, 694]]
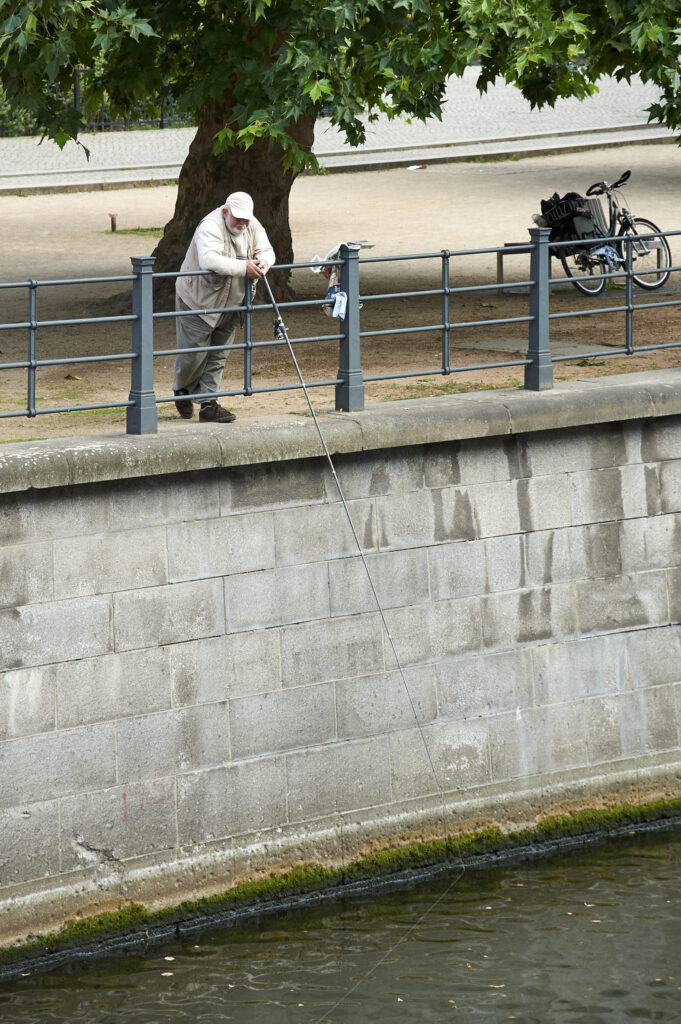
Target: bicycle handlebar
[[600, 187]]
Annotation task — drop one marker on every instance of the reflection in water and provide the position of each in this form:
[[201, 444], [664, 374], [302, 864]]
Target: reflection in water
[[580, 938]]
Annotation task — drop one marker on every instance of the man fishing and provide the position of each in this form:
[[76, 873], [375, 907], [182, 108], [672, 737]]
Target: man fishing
[[232, 244]]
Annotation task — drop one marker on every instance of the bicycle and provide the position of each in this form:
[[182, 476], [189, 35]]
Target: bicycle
[[585, 264]]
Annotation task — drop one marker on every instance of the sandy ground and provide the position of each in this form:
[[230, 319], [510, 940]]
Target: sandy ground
[[400, 212]]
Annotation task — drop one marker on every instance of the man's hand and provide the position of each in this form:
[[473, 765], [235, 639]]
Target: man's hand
[[256, 269]]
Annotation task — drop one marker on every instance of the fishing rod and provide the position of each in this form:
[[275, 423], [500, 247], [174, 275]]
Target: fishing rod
[[281, 334]]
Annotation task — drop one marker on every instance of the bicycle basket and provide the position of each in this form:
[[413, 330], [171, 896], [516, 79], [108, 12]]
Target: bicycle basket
[[557, 211]]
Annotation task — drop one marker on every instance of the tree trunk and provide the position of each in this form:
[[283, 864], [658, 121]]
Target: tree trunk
[[206, 180]]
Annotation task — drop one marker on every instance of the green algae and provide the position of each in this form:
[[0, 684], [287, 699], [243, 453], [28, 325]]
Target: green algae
[[135, 922]]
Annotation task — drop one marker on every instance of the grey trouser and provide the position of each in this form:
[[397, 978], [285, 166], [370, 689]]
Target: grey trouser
[[201, 371]]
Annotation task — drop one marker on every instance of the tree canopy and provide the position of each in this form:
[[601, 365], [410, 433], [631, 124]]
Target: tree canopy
[[281, 60], [257, 73]]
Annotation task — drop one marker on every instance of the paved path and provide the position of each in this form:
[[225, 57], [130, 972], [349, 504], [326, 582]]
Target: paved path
[[499, 122]]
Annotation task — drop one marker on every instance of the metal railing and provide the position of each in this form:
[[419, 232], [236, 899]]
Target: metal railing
[[349, 382]]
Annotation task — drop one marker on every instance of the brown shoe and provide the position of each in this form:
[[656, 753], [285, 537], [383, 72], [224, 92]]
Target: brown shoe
[[185, 406], [211, 412]]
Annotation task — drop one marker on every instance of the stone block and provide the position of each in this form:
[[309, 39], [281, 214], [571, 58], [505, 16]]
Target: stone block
[[410, 520], [168, 615], [53, 512], [654, 656], [460, 753], [372, 705], [458, 570], [26, 573], [660, 718], [577, 450], [534, 741], [595, 551], [274, 597], [322, 532], [475, 687], [547, 558], [505, 564], [26, 703], [220, 547], [660, 439], [596, 496], [670, 486], [30, 842], [473, 461], [172, 741], [412, 771], [633, 724], [370, 474], [158, 500], [282, 720], [331, 649], [496, 508], [651, 543], [59, 631], [543, 503], [674, 590], [527, 560], [225, 666], [632, 438], [634, 599], [223, 802], [640, 492], [56, 764], [111, 687], [579, 668], [338, 777], [273, 485], [528, 616], [610, 736], [104, 563], [117, 824], [653, 489], [399, 578], [433, 631]]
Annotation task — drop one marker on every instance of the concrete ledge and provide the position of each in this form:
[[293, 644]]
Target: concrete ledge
[[184, 448]]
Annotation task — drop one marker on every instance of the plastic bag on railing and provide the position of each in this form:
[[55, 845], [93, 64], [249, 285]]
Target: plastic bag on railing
[[336, 303]]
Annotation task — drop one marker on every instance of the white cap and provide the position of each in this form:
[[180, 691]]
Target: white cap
[[240, 205]]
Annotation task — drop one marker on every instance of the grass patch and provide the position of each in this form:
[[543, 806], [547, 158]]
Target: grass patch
[[438, 386], [142, 232]]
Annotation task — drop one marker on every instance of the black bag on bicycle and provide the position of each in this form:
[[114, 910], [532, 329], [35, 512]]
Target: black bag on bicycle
[[568, 217]]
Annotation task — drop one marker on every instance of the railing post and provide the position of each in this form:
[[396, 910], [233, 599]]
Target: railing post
[[32, 328], [350, 391], [142, 417], [248, 339], [446, 368], [539, 372]]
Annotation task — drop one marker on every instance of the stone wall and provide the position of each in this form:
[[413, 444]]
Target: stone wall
[[196, 683]]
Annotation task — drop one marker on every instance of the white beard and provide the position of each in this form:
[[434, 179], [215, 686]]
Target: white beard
[[235, 231]]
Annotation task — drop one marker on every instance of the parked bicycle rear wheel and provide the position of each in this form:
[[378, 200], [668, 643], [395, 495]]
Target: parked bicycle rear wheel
[[647, 254], [580, 268]]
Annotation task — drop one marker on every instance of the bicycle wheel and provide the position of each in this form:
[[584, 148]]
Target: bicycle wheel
[[580, 268], [647, 254]]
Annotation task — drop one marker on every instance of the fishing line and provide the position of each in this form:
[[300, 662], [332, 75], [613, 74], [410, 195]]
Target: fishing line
[[281, 333]]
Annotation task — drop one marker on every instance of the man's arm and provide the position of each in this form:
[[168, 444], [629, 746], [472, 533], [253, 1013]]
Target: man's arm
[[209, 246], [263, 253]]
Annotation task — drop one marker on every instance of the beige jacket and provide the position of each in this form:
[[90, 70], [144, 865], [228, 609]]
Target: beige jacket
[[213, 248]]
